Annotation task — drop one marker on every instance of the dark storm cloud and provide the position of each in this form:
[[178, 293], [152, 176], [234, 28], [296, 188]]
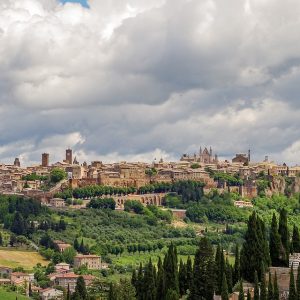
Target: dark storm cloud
[[140, 79]]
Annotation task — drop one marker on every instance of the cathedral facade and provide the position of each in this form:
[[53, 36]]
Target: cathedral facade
[[206, 156]]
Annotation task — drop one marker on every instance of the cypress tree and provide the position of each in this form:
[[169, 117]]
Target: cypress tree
[[224, 292], [241, 291], [182, 278], [134, 278], [220, 269], [228, 270], [189, 273], [149, 287], [270, 288], [255, 250], [1, 239], [295, 240], [276, 289], [256, 287], [68, 297], [292, 289], [112, 293], [172, 295], [160, 290], [171, 270], [203, 272], [236, 273], [284, 234], [263, 291], [248, 295], [80, 289], [76, 244], [139, 283], [298, 282], [275, 243]]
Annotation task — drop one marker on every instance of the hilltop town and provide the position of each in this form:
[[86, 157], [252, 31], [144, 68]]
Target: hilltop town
[[203, 166]]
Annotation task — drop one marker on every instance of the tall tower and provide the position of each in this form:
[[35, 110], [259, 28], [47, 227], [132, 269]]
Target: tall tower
[[69, 159], [249, 155], [45, 160], [17, 162]]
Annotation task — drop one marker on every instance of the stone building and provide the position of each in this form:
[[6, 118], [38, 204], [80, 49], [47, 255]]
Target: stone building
[[93, 262], [206, 157]]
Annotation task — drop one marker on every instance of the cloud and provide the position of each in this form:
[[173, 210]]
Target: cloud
[[137, 79]]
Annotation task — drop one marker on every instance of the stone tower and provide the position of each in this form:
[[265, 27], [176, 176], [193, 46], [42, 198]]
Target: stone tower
[[45, 159], [69, 155]]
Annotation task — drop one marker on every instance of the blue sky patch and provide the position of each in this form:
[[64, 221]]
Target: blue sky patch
[[82, 2]]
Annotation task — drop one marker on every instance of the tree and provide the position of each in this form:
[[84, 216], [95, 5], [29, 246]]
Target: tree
[[171, 270], [112, 295], [1, 239], [149, 287], [276, 289], [57, 174], [19, 225], [298, 282], [296, 240], [263, 291], [255, 250], [284, 234], [68, 255], [292, 289], [203, 272], [228, 272], [160, 289], [224, 292], [270, 288], [182, 278], [80, 289], [220, 269], [241, 291], [68, 296], [256, 287], [275, 243], [248, 295], [172, 295], [236, 273], [189, 273], [125, 290]]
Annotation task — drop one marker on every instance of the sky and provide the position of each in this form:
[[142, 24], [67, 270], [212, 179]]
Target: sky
[[143, 79]]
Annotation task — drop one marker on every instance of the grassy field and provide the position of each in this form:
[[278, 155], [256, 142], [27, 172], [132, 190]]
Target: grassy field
[[26, 259], [11, 296]]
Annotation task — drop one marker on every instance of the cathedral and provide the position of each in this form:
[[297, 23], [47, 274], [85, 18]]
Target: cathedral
[[206, 156]]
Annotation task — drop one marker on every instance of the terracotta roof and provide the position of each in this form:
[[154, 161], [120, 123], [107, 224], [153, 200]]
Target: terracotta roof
[[87, 256]]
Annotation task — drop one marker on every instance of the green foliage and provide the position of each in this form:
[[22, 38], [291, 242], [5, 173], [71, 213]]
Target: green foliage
[[172, 200], [195, 166], [241, 291], [80, 290], [57, 174], [218, 213], [203, 272], [151, 172], [255, 250], [102, 203], [295, 246], [135, 206], [275, 243], [224, 292], [284, 234], [292, 288], [34, 176]]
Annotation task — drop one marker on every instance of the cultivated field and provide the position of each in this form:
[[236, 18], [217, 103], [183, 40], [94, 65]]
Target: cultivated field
[[11, 296], [25, 259]]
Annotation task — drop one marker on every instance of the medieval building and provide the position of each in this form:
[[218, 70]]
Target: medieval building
[[206, 156]]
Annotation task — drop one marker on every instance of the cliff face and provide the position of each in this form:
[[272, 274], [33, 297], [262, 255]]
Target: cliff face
[[296, 185], [278, 186]]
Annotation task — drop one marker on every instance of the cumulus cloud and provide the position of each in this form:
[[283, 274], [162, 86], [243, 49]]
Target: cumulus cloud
[[141, 79]]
